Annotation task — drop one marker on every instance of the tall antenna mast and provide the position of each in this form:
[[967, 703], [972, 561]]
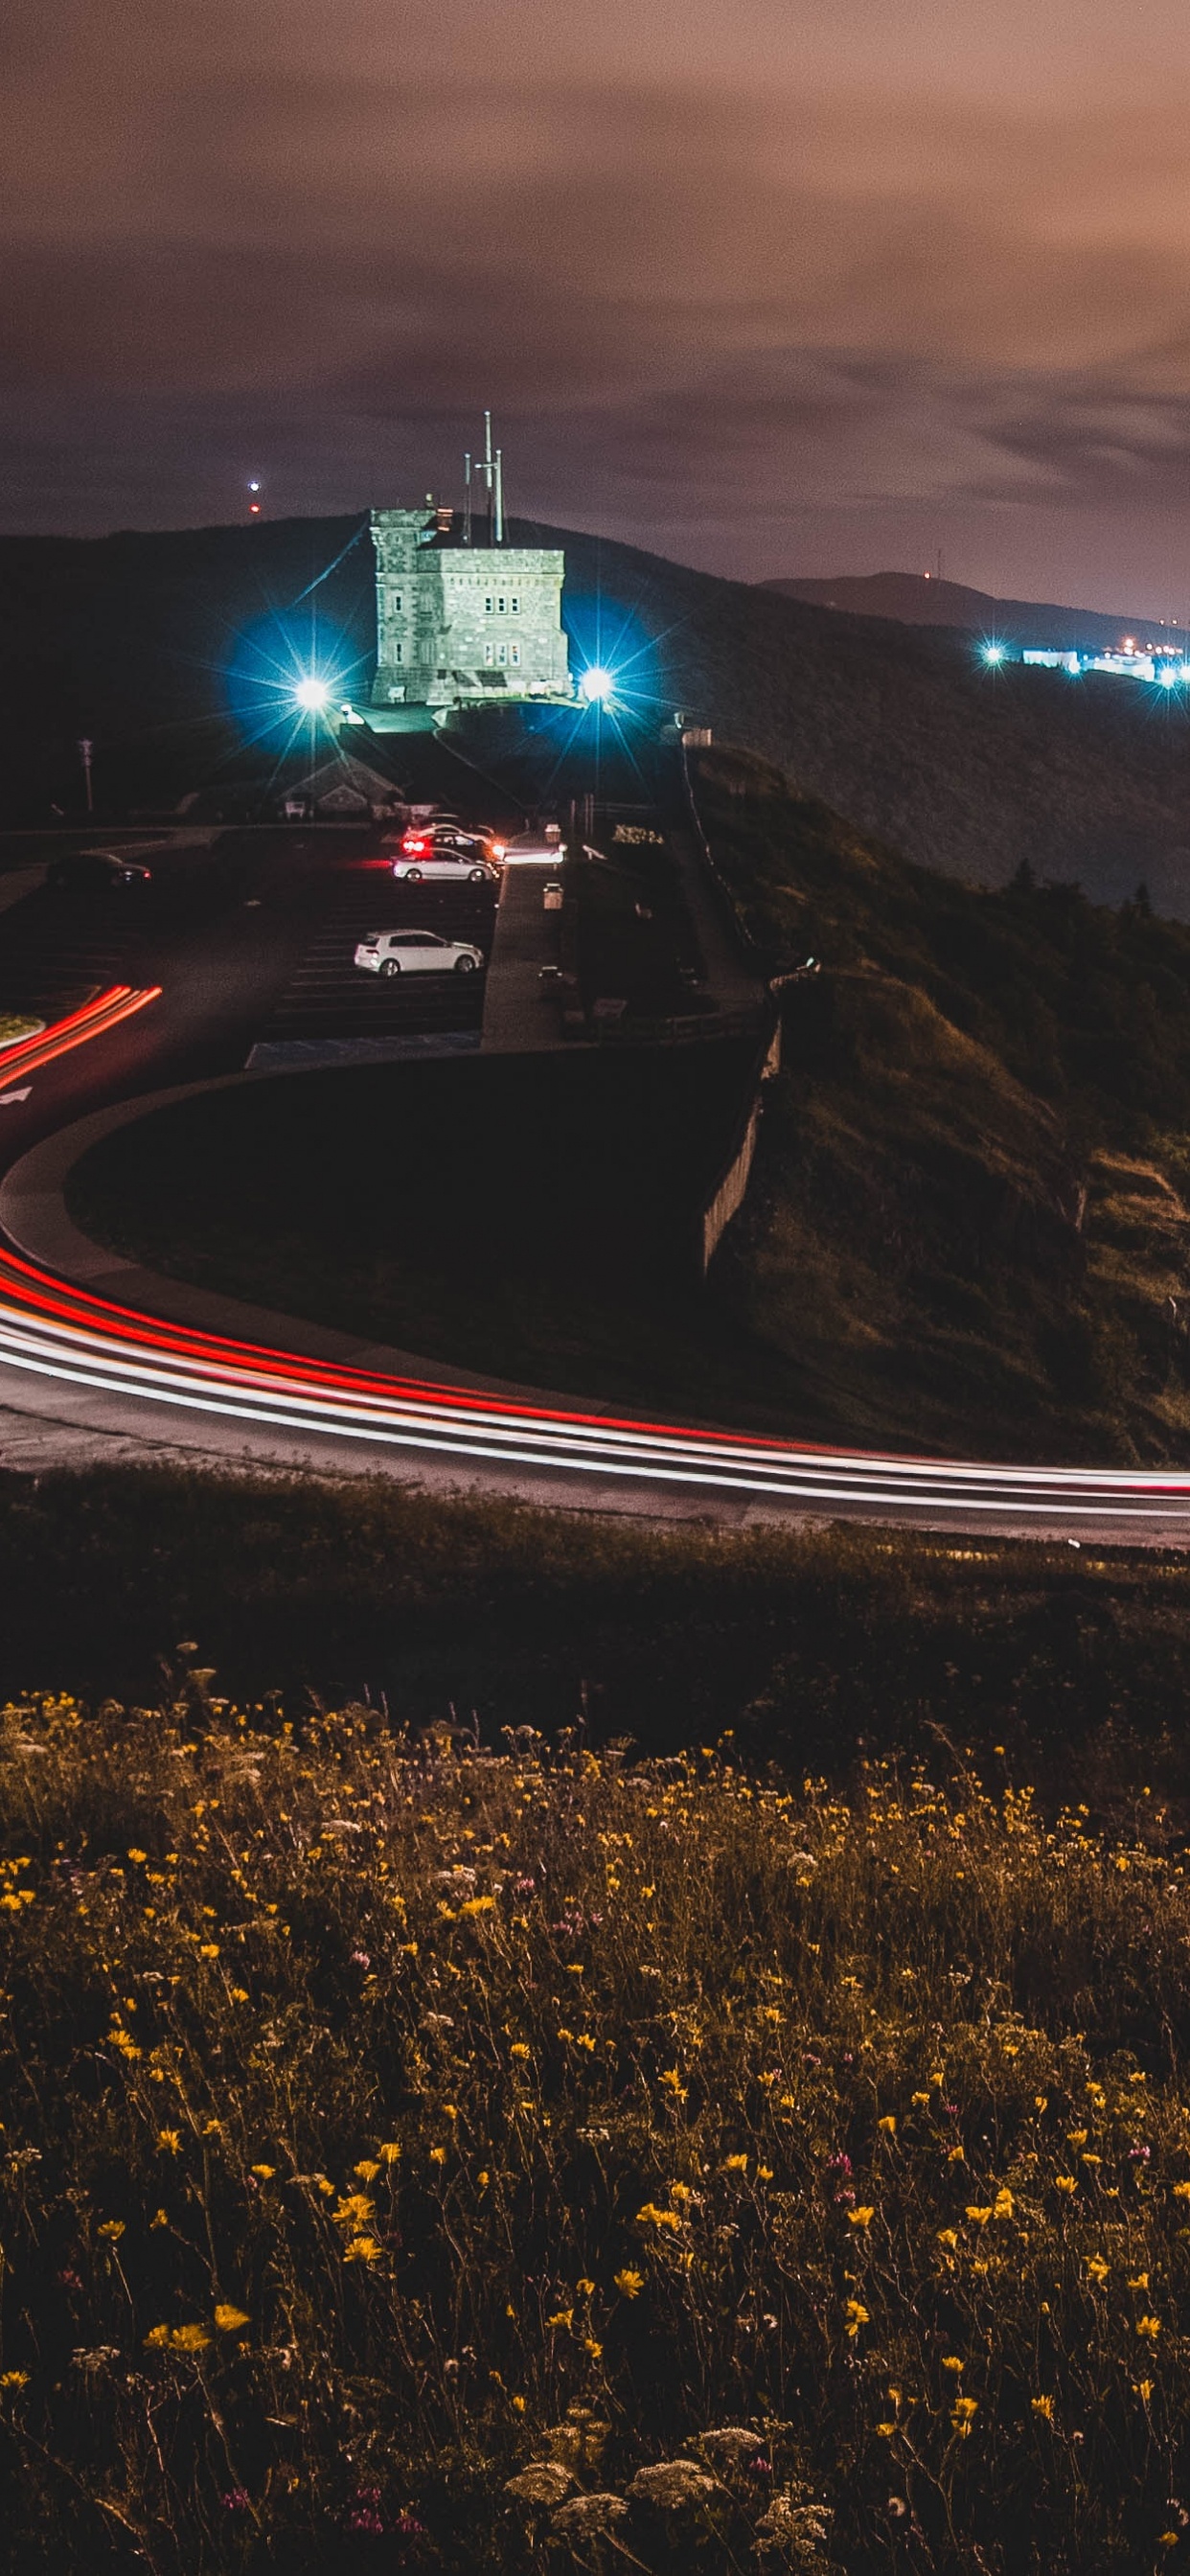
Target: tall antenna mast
[[487, 465], [467, 498], [499, 496]]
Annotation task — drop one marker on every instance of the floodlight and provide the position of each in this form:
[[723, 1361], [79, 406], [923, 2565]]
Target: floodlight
[[312, 693], [596, 686], [993, 653], [1168, 678]]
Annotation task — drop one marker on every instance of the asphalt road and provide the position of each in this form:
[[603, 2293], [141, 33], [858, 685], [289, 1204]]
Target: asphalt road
[[90, 1371]]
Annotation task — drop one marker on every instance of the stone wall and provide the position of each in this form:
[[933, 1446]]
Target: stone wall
[[457, 622]]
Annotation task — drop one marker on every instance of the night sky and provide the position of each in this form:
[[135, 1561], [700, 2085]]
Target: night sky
[[772, 286]]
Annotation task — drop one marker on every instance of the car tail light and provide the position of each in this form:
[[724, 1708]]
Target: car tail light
[[415, 845]]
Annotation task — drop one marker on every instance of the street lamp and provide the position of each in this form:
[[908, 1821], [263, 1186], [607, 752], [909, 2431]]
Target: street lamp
[[312, 693]]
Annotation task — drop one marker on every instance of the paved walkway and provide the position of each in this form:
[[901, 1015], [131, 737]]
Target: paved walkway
[[522, 1011]]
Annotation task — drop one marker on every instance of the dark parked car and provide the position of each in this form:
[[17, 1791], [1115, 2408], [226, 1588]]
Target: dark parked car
[[97, 872]]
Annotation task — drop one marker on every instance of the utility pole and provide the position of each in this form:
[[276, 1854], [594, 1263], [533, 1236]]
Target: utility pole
[[86, 747]]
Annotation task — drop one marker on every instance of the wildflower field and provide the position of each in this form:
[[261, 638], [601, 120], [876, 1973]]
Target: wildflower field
[[423, 2156]]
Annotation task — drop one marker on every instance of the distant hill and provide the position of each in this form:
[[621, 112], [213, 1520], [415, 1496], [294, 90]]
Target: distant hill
[[919, 599], [131, 639]]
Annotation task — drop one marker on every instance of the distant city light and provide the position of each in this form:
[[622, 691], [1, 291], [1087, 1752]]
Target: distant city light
[[1168, 677], [993, 653], [312, 693], [254, 487], [596, 686]]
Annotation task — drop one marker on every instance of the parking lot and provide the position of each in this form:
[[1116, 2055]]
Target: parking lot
[[329, 996]]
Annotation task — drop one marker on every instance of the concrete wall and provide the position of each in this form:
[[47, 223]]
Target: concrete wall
[[732, 1186]]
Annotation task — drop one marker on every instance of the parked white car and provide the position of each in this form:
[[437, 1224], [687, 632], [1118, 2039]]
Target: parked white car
[[416, 952]]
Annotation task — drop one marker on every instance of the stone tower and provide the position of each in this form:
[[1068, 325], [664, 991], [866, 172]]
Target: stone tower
[[464, 624]]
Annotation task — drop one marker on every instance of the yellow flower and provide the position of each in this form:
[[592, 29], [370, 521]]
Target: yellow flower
[[673, 2082], [565, 2317], [1065, 2182], [437, 2155], [111, 2227], [1144, 2389], [764, 2173], [1181, 2191], [630, 2284], [951, 2361], [138, 1855], [921, 2101], [239, 1995], [735, 2164], [362, 2249], [651, 2216], [264, 2173], [1003, 2203], [860, 2217], [519, 2048], [354, 2210], [160, 2218], [367, 2169], [228, 2319], [857, 2316], [584, 2288], [1097, 2268], [389, 2153], [156, 2337], [980, 2217], [1043, 2406], [590, 2345], [14, 2378], [478, 1905], [888, 2124], [170, 2140], [1150, 2326], [189, 2339], [964, 2409], [208, 1949], [1141, 2282], [1076, 2137], [886, 2431]]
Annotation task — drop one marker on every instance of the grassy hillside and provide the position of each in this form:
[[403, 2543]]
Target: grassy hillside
[[130, 638], [921, 599], [415, 2158], [967, 1220]]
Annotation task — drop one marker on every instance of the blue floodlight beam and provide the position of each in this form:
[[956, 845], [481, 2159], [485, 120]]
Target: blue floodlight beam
[[597, 686], [312, 693], [993, 653]]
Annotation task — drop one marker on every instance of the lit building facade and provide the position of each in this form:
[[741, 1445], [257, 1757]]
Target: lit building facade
[[464, 624]]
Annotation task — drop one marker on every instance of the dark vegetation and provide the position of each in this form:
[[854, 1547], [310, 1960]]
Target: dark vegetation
[[917, 599], [135, 640], [532, 1216], [967, 1221], [415, 2157], [812, 1646]]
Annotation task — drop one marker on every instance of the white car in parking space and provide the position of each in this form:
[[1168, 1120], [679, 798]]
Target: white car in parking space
[[416, 952]]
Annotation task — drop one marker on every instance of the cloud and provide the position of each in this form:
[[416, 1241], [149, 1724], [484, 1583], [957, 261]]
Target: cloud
[[707, 286]]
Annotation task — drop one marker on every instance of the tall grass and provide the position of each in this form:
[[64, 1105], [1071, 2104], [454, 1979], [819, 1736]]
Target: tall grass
[[415, 2155]]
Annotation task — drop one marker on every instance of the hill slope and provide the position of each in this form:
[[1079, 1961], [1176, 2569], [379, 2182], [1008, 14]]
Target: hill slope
[[919, 599], [132, 638], [968, 1220]]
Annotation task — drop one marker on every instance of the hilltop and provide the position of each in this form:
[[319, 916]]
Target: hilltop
[[132, 638], [921, 599]]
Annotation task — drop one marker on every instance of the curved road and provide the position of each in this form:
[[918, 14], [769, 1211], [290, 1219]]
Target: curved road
[[77, 1354]]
